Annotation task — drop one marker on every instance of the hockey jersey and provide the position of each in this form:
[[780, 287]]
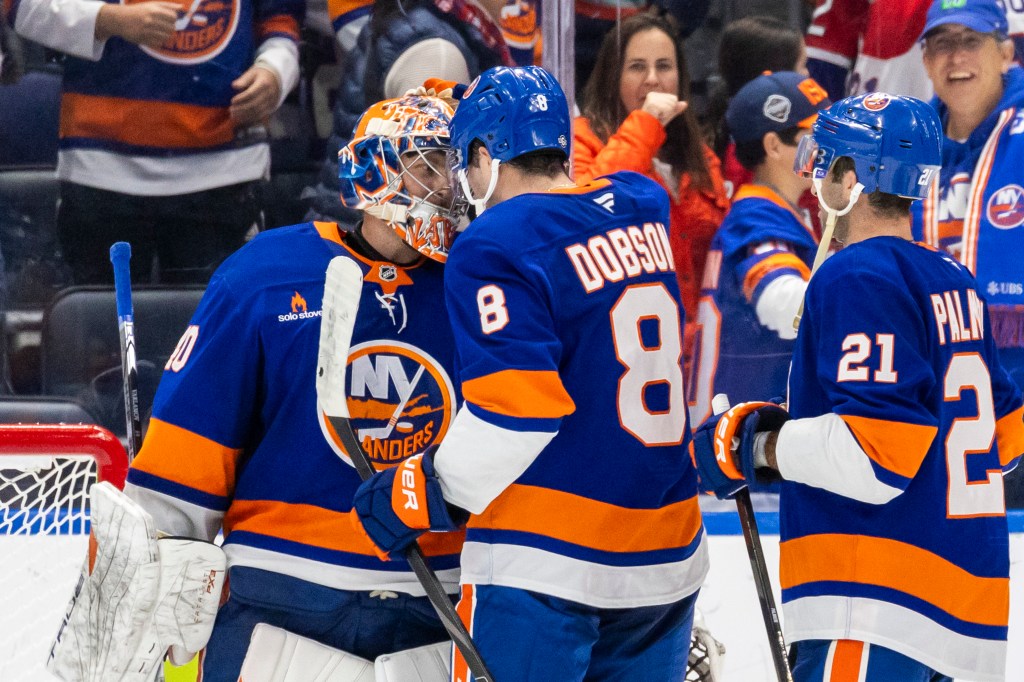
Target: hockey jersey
[[155, 121], [878, 43], [236, 439], [565, 308], [893, 525], [761, 239]]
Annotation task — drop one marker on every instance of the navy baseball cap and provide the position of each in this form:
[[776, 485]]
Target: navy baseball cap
[[773, 102], [983, 16]]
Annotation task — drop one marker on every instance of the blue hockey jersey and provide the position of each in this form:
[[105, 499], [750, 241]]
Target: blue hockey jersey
[[893, 525], [761, 239], [236, 439], [572, 447]]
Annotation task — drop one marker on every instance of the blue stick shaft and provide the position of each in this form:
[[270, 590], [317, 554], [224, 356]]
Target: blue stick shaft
[[120, 258]]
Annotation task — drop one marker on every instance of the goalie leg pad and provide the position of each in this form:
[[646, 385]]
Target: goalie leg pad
[[430, 663], [115, 595], [276, 655]]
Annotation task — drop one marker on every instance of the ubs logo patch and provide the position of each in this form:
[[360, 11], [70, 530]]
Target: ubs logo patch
[[203, 29], [400, 401]]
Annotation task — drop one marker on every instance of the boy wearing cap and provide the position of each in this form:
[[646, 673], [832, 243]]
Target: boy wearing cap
[[758, 265], [975, 208]]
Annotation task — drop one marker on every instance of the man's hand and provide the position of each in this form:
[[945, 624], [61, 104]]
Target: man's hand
[[258, 93], [663, 106], [146, 23]]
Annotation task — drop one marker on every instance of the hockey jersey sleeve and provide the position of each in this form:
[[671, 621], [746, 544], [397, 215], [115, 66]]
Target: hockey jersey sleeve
[[865, 335], [774, 279], [65, 25], [833, 38], [203, 414], [508, 356]]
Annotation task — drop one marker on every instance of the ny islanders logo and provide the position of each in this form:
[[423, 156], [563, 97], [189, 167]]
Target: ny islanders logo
[[400, 401], [203, 29], [1006, 207]]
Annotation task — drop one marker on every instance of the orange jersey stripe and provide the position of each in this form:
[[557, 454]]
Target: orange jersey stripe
[[1010, 436], [339, 8], [846, 659], [896, 446], [898, 566], [279, 24], [328, 231], [520, 393], [590, 523], [208, 466], [465, 609], [770, 264], [749, 191], [144, 123], [591, 186], [319, 527]]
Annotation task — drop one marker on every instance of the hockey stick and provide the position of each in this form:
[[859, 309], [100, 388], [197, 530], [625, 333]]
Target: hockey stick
[[342, 290], [120, 257], [759, 567]]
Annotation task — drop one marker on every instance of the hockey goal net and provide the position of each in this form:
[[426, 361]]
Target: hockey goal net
[[45, 475]]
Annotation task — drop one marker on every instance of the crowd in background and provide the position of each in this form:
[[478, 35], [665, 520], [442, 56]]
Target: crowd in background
[[186, 128]]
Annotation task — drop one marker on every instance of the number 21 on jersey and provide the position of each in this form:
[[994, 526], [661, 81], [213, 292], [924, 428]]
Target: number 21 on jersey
[[967, 435]]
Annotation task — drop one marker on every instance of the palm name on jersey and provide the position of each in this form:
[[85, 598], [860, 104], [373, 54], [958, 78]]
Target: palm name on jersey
[[620, 253], [949, 307]]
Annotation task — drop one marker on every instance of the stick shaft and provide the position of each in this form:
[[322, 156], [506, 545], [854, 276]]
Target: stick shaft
[[120, 258]]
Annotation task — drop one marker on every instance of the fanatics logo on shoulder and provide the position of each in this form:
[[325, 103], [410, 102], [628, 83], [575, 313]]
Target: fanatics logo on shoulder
[[877, 101], [299, 310], [1006, 207], [202, 31], [777, 108]]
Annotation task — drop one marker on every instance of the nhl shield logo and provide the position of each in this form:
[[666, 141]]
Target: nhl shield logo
[[777, 108], [1006, 207]]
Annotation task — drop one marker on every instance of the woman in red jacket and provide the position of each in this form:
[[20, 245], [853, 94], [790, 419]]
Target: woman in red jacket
[[635, 118]]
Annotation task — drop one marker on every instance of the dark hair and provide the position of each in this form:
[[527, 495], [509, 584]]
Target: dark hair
[[751, 154], [889, 205], [549, 162], [749, 47], [602, 104]]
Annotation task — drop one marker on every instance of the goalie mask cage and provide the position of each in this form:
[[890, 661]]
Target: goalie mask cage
[[46, 472]]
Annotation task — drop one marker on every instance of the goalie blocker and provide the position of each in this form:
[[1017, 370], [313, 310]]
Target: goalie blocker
[[137, 597]]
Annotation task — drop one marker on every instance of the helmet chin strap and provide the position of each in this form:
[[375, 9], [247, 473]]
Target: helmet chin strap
[[479, 204]]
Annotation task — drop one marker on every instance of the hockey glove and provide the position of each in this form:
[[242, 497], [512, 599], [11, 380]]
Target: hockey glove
[[396, 506], [723, 447]]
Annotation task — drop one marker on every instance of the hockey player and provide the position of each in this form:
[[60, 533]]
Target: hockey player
[[585, 547], [235, 441], [901, 423], [760, 257]]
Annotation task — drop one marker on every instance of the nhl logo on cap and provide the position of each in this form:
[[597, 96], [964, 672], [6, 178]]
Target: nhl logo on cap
[[777, 108]]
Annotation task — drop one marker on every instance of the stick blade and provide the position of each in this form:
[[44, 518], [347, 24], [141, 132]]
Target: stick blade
[[342, 289]]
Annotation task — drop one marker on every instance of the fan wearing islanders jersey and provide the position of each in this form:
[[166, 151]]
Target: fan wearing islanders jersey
[[585, 548], [760, 256], [901, 424], [237, 442]]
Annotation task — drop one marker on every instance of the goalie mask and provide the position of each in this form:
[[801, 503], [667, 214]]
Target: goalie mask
[[394, 169]]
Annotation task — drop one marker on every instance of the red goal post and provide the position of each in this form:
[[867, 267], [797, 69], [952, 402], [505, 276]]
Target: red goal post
[[46, 471]]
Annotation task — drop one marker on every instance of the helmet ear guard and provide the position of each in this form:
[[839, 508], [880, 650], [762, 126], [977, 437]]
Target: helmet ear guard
[[375, 177]]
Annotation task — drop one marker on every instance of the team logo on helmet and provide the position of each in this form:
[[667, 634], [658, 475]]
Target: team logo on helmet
[[876, 101], [201, 32], [400, 400], [1006, 207]]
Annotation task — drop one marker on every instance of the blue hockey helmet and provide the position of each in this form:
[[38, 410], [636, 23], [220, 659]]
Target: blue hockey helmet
[[512, 111], [392, 137], [895, 143]]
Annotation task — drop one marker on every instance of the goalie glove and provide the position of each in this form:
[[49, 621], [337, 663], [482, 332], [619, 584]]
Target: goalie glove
[[723, 447], [395, 506]]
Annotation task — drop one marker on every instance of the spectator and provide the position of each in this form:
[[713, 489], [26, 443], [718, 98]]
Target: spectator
[[163, 141], [977, 199], [635, 117], [749, 47], [858, 46], [404, 43], [761, 256]]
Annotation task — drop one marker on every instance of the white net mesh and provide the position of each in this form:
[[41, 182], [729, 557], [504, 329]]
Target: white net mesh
[[44, 527]]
